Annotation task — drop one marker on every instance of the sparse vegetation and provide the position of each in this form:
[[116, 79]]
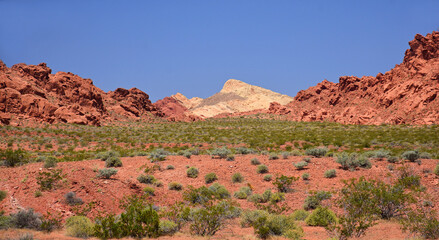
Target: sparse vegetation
[[262, 169], [72, 200], [107, 173], [210, 178], [237, 178], [316, 152], [255, 161], [192, 172], [175, 186], [330, 173]]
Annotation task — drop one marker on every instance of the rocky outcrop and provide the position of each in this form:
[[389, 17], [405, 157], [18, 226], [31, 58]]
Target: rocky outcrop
[[33, 92], [173, 110], [407, 94]]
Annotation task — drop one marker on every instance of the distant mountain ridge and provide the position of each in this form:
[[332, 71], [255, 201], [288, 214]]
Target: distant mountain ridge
[[235, 96]]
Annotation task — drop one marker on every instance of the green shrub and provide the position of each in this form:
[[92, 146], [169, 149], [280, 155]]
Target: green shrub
[[38, 193], [352, 161], [219, 191], [168, 227], [255, 161], [237, 178], [305, 176], [295, 153], [273, 156], [51, 222], [268, 177], [313, 201], [158, 155], [425, 155], [410, 155], [206, 221], [192, 172], [157, 183], [277, 225], [175, 186], [230, 158], [421, 221], [72, 200], [301, 165], [330, 173], [139, 219], [187, 154], [277, 197], [147, 179], [321, 217], [249, 217], [12, 158], [285, 155], [170, 167], [220, 152], [316, 152], [106, 173], [299, 215], [392, 159], [106, 155], [26, 218], [378, 154], [436, 170], [306, 159], [149, 191], [262, 169], [210, 178], [48, 180], [243, 193], [79, 226], [255, 198], [244, 150], [2, 195], [50, 162], [113, 162], [283, 183]]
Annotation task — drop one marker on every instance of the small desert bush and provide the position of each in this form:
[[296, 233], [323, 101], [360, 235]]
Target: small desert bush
[[107, 173], [158, 155], [244, 150], [410, 155], [192, 172], [113, 161], [305, 176], [321, 217], [175, 186], [436, 170], [47, 180], [149, 191], [301, 165], [243, 193], [283, 183], [2, 195], [299, 215], [276, 225], [230, 158], [392, 159], [220, 152], [26, 218], [313, 201], [285, 155], [50, 162], [262, 169], [79, 227], [268, 177], [12, 158], [210, 178], [330, 173], [273, 156], [255, 161], [237, 178], [72, 200], [106, 155], [352, 161], [316, 152], [147, 179], [170, 167], [168, 227]]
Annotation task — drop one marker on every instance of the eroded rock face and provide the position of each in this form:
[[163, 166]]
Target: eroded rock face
[[174, 110], [407, 94], [32, 92]]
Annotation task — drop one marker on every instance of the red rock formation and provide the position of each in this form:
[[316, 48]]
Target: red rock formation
[[173, 110], [407, 94], [32, 92]]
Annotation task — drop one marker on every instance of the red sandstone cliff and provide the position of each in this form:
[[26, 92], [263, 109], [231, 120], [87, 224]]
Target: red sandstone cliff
[[407, 94]]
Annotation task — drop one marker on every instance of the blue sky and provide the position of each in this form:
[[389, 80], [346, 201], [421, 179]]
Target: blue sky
[[193, 47]]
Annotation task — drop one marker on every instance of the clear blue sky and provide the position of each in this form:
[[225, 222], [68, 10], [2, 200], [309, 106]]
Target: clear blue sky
[[193, 47]]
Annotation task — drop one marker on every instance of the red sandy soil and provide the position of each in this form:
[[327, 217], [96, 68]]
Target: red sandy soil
[[20, 183]]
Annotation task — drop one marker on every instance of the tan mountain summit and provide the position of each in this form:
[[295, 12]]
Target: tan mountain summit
[[236, 96]]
